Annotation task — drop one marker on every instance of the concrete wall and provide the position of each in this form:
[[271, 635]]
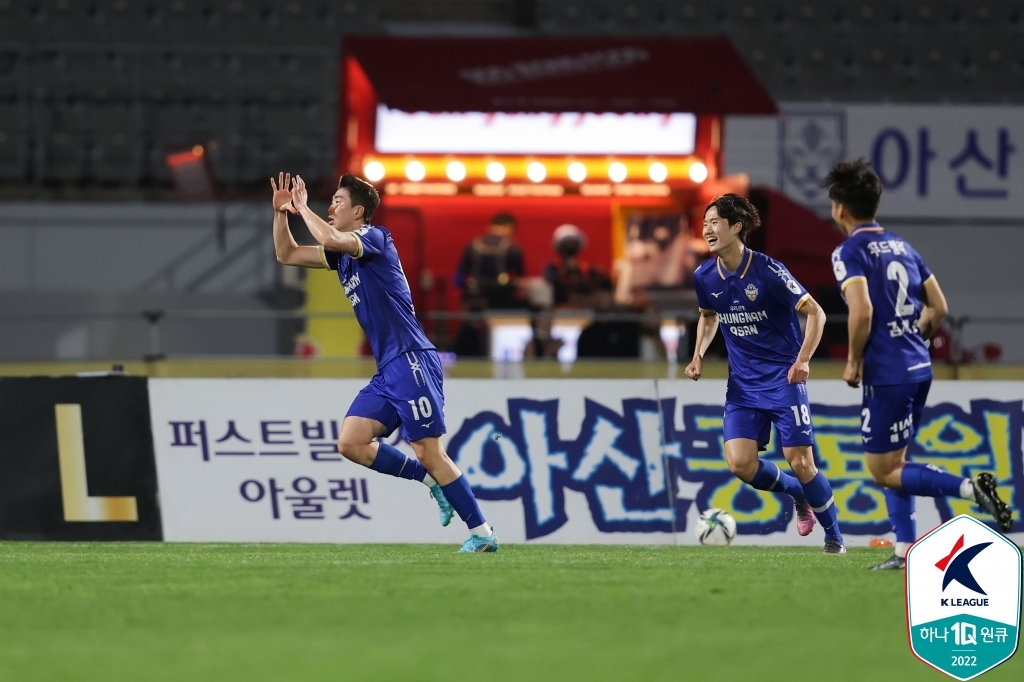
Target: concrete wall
[[75, 279]]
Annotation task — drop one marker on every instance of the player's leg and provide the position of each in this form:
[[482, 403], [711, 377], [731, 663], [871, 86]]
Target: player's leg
[[744, 423], [746, 432], [890, 418], [818, 494], [414, 386], [431, 454], [357, 443], [372, 415], [790, 409]]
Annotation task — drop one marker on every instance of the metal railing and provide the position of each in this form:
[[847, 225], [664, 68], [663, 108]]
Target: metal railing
[[439, 324]]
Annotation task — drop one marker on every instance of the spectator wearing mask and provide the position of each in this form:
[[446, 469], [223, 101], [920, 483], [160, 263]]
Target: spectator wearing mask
[[571, 278], [491, 264]]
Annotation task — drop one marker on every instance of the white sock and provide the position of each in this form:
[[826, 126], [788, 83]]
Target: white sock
[[901, 549], [482, 530], [428, 481], [967, 490]]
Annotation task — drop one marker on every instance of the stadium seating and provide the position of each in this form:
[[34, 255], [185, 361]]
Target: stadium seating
[[99, 92]]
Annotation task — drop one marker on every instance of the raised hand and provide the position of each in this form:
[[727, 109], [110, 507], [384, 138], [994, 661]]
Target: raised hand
[[282, 193], [299, 194]]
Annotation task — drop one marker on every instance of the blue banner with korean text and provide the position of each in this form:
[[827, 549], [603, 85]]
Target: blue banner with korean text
[[562, 461]]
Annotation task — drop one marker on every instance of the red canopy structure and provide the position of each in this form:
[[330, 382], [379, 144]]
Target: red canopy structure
[[698, 75], [701, 76]]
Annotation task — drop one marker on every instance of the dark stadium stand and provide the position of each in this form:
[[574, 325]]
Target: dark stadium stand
[[94, 94]]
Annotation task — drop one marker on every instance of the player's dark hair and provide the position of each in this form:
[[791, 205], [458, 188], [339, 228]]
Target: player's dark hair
[[361, 193], [855, 185], [504, 219], [736, 209]]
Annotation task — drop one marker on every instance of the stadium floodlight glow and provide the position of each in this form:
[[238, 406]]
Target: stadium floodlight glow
[[374, 171], [456, 171], [495, 171], [617, 171], [658, 172], [536, 171], [698, 172], [577, 171], [415, 171]]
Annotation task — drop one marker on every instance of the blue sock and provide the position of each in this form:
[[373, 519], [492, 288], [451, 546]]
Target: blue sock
[[769, 477], [926, 480], [819, 495], [900, 505], [461, 497], [393, 463]]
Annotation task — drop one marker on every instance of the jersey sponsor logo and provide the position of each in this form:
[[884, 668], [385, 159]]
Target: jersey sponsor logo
[[349, 285], [888, 247], [744, 318], [742, 324], [751, 291]]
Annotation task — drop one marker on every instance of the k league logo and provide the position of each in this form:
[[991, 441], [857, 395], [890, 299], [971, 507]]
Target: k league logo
[[963, 598]]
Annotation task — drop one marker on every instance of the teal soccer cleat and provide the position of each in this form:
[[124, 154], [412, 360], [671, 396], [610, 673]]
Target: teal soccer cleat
[[477, 544], [444, 509]]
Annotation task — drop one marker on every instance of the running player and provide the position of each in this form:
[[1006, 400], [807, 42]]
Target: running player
[[756, 301], [895, 305], [406, 390]]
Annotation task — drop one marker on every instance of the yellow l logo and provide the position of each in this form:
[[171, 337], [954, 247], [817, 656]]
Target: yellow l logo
[[78, 506]]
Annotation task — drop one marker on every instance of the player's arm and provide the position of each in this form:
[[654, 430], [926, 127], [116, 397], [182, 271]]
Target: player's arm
[[815, 327], [858, 326], [288, 252], [707, 327], [325, 235], [934, 309]]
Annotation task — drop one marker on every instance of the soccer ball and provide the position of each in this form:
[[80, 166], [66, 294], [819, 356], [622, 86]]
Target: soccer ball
[[715, 527]]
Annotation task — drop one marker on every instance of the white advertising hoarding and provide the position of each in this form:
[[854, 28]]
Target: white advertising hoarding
[[557, 461], [935, 161], [476, 132]]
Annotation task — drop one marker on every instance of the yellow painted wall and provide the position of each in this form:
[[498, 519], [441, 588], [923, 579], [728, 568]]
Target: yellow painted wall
[[336, 337]]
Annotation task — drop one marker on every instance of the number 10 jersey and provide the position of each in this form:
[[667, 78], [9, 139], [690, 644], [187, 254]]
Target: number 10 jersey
[[895, 273]]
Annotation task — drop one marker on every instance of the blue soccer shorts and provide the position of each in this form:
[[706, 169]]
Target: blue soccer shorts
[[408, 392], [890, 415], [788, 407]]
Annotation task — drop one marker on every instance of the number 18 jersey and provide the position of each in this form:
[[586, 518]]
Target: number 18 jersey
[[895, 273]]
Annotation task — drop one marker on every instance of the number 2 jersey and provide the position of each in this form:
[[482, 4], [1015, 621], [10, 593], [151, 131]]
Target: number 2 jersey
[[376, 286], [895, 274], [757, 313]]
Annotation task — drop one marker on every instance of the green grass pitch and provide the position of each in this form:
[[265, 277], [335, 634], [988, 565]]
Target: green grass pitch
[[153, 611]]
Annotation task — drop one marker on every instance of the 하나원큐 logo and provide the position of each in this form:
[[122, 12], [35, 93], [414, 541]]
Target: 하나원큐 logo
[[963, 598]]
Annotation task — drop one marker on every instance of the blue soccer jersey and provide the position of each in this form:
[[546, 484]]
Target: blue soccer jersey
[[376, 287], [895, 274], [757, 313]]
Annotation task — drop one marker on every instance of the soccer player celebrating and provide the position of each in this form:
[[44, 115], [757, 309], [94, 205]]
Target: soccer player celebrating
[[407, 389], [755, 300], [895, 305]]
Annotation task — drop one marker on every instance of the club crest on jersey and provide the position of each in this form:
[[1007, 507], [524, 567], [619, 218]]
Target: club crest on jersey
[[751, 291]]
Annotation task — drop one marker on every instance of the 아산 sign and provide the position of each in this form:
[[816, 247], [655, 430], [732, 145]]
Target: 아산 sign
[[964, 598]]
